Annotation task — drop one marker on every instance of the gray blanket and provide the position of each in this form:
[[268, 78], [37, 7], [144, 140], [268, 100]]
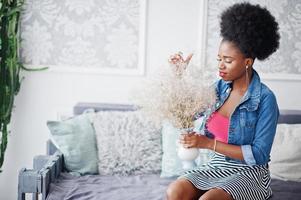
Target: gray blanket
[[146, 187]]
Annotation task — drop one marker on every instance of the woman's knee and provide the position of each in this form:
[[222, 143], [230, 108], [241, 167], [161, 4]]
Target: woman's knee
[[182, 189], [175, 190], [216, 194]]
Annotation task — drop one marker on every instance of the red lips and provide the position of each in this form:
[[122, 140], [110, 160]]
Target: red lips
[[222, 74]]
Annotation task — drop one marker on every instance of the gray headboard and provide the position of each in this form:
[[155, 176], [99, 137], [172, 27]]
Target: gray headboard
[[79, 108], [290, 117], [286, 116]]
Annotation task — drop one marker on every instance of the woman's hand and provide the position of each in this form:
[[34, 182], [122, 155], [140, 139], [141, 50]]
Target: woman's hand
[[194, 140], [179, 63], [178, 58]]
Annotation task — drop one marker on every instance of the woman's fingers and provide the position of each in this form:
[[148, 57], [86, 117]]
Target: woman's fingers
[[176, 58], [188, 140], [182, 139], [193, 140], [179, 57], [187, 60]]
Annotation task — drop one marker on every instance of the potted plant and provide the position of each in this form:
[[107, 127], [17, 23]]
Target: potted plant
[[10, 65]]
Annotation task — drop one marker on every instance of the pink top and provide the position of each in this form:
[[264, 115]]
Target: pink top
[[218, 125]]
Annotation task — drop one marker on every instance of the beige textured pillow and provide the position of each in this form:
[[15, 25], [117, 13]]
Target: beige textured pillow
[[286, 153], [128, 143]]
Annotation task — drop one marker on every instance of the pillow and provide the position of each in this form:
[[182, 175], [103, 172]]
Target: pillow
[[285, 161], [171, 164], [75, 137], [128, 143]]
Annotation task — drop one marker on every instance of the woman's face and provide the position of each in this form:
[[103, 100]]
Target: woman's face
[[231, 62]]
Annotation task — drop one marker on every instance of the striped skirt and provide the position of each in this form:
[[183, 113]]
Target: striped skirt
[[241, 181]]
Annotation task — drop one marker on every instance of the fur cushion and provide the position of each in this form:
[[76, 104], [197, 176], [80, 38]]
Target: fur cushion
[[127, 143], [285, 154]]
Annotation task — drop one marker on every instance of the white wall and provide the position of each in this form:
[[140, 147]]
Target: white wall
[[172, 25], [287, 93]]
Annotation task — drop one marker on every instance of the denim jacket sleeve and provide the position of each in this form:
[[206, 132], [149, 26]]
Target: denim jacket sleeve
[[258, 152]]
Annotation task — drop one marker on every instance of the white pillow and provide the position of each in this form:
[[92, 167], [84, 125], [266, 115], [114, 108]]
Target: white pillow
[[127, 143], [286, 153]]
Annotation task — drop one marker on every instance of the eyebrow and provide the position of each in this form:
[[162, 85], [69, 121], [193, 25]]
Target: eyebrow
[[226, 56]]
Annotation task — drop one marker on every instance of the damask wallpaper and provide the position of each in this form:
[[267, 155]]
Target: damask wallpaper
[[109, 35], [287, 59], [83, 33]]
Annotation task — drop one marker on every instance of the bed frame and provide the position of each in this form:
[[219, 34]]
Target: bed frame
[[46, 168]]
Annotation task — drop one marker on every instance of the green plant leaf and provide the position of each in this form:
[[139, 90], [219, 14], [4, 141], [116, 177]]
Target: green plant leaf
[[10, 66]]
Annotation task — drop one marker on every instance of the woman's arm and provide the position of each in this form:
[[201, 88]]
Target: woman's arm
[[193, 140], [259, 151]]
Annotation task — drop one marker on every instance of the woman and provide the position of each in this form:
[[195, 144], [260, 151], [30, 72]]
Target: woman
[[241, 128]]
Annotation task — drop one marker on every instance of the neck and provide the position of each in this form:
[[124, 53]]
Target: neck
[[241, 85]]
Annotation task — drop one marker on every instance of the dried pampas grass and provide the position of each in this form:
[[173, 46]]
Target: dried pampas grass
[[177, 94]]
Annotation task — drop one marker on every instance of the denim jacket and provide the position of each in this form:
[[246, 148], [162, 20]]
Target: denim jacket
[[253, 122]]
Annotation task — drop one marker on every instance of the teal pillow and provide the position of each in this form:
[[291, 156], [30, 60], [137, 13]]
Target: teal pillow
[[171, 164], [75, 137]]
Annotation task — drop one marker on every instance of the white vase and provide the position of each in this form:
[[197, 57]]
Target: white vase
[[188, 156]]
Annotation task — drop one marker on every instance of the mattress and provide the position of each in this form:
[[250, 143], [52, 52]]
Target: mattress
[[95, 187], [146, 187]]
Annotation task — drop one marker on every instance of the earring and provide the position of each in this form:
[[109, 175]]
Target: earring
[[247, 76]]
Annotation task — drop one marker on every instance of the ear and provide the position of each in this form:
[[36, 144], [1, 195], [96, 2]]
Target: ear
[[249, 61]]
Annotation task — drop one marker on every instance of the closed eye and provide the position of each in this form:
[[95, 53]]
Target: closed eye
[[226, 61]]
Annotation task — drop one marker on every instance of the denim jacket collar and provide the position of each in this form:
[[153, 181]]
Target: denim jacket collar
[[253, 93], [251, 97], [254, 87]]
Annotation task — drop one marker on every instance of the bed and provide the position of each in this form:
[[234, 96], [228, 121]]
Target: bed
[[49, 179]]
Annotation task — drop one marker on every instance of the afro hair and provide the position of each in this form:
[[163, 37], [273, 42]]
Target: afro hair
[[251, 28]]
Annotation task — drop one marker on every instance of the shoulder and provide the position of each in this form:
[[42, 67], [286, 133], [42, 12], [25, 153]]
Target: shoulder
[[261, 90], [221, 86], [267, 94], [268, 100]]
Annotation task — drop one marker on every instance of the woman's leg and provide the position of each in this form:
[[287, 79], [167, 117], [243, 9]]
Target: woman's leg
[[182, 189], [216, 194]]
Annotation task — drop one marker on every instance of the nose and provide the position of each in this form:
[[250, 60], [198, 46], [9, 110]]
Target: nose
[[221, 65]]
